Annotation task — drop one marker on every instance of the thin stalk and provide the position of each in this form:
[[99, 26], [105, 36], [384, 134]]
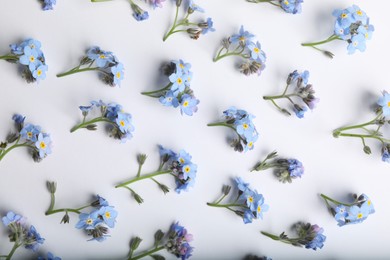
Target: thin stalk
[[279, 96], [358, 126], [326, 198], [331, 38], [173, 26], [157, 91], [225, 205], [227, 125], [382, 140], [11, 253], [150, 175], [73, 71], [218, 57], [9, 57], [95, 120], [147, 253], [78, 210]]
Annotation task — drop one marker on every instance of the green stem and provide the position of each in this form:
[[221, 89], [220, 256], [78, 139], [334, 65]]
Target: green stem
[[52, 202], [326, 198], [73, 71], [279, 96], [173, 26], [382, 140], [9, 57], [219, 56], [331, 38], [78, 210], [147, 253], [358, 126], [215, 204], [227, 125], [221, 199], [95, 120], [274, 237], [13, 147], [147, 176], [9, 256], [149, 93]]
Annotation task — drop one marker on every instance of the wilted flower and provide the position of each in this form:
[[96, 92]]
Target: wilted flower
[[27, 135], [96, 223], [176, 241], [121, 125], [31, 59], [105, 62], [193, 29], [241, 45], [179, 165], [289, 6], [285, 169], [303, 91], [248, 204], [350, 213], [241, 122], [382, 112], [177, 93], [352, 26], [309, 236]]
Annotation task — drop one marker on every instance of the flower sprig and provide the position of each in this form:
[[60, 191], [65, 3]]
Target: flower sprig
[[96, 223], [248, 204], [285, 169], [303, 91], [21, 234], [105, 62], [176, 241], [241, 122], [31, 59], [308, 236], [241, 45], [121, 126], [178, 165], [177, 93], [350, 213], [193, 29], [27, 135], [382, 112], [289, 6], [48, 4], [352, 26]]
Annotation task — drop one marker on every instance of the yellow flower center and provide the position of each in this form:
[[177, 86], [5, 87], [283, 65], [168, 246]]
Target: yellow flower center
[[355, 44], [29, 134], [108, 214], [118, 75], [242, 38], [187, 169], [250, 144], [181, 160], [250, 199], [185, 104], [366, 35], [42, 145], [102, 56], [32, 46], [257, 50], [369, 201], [359, 12], [89, 221], [258, 209], [179, 81], [39, 72], [344, 15], [181, 66], [286, 2], [245, 126], [122, 123], [32, 58], [359, 216]]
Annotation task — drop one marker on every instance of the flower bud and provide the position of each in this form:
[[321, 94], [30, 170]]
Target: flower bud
[[51, 186], [141, 158], [65, 219], [135, 242]]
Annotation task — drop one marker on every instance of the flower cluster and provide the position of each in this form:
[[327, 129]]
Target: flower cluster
[[310, 236], [96, 223], [176, 241], [105, 62], [353, 26], [350, 213], [285, 169], [381, 119], [193, 29], [303, 91], [178, 165], [121, 126], [50, 256], [289, 6], [48, 4], [248, 204], [241, 122], [30, 56], [21, 234], [177, 93], [27, 135], [241, 45]]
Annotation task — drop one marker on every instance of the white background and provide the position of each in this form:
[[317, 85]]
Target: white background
[[85, 163]]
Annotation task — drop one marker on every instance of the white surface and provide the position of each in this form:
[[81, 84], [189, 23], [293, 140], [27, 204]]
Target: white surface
[[85, 163]]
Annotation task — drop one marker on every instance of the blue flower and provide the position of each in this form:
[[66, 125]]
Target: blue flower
[[358, 42], [385, 154], [299, 110], [342, 32], [366, 31], [102, 59], [318, 239], [260, 208], [34, 239], [250, 140], [189, 170], [117, 71], [251, 198], [33, 44], [183, 157], [209, 27], [93, 52], [384, 102], [256, 52], [358, 14], [340, 214], [241, 185], [181, 66], [188, 105], [19, 119], [139, 14], [123, 121], [88, 221], [10, 218], [48, 4], [86, 109], [344, 17], [169, 100], [29, 58], [166, 152], [112, 111], [179, 239], [177, 81], [101, 201], [50, 256], [40, 72], [295, 168], [291, 6], [109, 215], [43, 144], [357, 214], [368, 202], [194, 7], [244, 127], [242, 37], [248, 216], [30, 132]]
